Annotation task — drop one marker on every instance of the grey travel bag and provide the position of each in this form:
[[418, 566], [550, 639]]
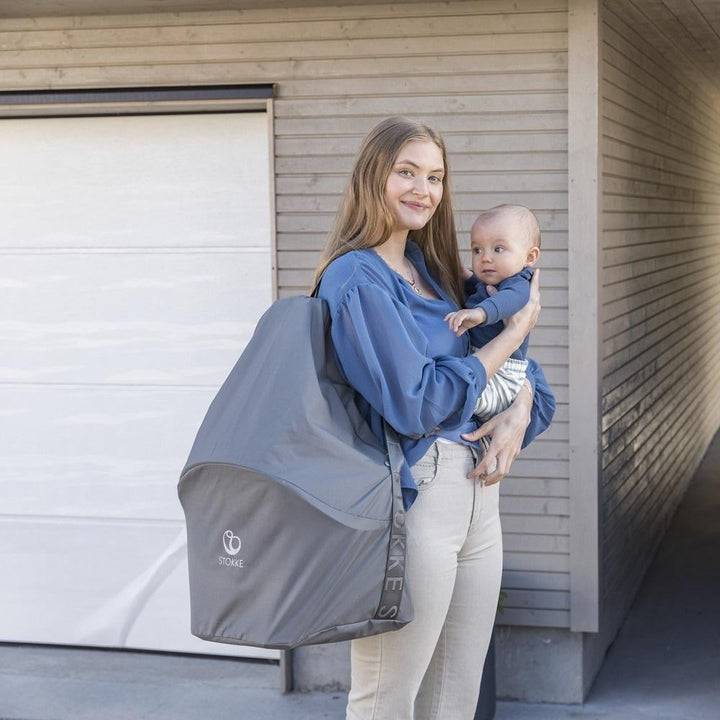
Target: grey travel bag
[[295, 522]]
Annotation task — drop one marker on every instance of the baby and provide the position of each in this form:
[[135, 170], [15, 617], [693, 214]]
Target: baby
[[505, 244]]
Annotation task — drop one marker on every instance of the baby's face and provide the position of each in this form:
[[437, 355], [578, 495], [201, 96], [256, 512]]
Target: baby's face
[[500, 248]]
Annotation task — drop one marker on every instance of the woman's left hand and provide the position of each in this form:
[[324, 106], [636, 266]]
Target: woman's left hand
[[506, 430]]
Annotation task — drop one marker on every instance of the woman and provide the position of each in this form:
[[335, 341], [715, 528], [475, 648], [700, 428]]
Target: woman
[[390, 274]]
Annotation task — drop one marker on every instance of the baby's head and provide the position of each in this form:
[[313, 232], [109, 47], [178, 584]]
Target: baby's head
[[503, 241]]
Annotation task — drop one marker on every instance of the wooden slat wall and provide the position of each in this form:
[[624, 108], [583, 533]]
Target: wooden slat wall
[[490, 75], [661, 316]]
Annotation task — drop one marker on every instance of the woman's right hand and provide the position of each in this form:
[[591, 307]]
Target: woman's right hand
[[523, 321]]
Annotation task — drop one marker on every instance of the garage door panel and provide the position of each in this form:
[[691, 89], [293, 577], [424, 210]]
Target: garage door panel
[[153, 319], [95, 585], [98, 182], [94, 452]]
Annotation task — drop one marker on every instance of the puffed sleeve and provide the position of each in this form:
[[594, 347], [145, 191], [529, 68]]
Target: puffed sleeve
[[383, 355], [543, 408]]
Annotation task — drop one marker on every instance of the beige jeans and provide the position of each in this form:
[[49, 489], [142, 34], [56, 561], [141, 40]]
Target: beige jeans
[[431, 669]]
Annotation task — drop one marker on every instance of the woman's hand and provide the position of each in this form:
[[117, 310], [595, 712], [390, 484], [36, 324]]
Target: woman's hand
[[506, 431]]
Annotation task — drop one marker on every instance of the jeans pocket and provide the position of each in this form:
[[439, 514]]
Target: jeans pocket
[[424, 473]]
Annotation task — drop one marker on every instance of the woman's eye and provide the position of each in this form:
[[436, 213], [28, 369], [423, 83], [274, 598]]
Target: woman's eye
[[405, 172], [435, 179]]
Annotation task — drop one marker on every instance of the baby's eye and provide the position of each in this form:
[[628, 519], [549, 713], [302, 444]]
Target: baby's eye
[[476, 251], [499, 249]]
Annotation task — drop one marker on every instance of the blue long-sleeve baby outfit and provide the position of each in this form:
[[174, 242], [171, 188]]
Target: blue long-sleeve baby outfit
[[395, 348], [512, 294]]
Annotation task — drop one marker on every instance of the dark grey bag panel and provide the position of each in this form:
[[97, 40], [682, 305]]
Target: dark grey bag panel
[[294, 517]]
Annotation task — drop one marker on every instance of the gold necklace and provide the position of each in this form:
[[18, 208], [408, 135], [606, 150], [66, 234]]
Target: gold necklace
[[411, 282]]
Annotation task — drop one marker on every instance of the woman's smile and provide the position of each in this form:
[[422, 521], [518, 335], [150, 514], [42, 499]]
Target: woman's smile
[[416, 206]]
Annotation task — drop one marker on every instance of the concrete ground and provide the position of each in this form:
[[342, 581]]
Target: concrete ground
[[665, 661], [664, 664]]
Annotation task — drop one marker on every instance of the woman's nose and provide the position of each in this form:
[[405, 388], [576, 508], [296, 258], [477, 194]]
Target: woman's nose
[[421, 186]]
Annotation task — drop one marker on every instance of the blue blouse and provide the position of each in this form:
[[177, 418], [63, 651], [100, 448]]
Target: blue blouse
[[406, 365]]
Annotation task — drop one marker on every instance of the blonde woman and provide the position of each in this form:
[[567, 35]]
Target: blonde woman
[[390, 274]]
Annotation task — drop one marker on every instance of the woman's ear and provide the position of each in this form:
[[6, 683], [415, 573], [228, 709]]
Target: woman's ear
[[532, 256]]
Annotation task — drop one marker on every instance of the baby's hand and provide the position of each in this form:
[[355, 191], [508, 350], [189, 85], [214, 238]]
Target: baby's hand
[[462, 320]]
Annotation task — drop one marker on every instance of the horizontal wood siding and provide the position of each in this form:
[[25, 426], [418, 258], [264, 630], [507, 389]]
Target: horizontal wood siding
[[490, 75], [661, 309]]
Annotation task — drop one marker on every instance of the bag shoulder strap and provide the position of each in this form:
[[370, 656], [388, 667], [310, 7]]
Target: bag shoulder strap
[[316, 288], [394, 581]]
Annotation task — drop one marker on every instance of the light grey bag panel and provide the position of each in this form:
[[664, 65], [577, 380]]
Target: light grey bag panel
[[301, 450]]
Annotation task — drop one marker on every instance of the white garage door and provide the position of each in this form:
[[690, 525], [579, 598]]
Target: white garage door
[[135, 259]]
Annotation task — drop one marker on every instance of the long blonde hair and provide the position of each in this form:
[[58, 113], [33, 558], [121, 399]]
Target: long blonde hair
[[365, 221]]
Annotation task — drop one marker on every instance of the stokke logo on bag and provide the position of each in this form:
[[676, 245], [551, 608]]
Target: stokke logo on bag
[[231, 543]]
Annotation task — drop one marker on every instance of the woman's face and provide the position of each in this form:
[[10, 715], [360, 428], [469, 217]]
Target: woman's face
[[414, 187]]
